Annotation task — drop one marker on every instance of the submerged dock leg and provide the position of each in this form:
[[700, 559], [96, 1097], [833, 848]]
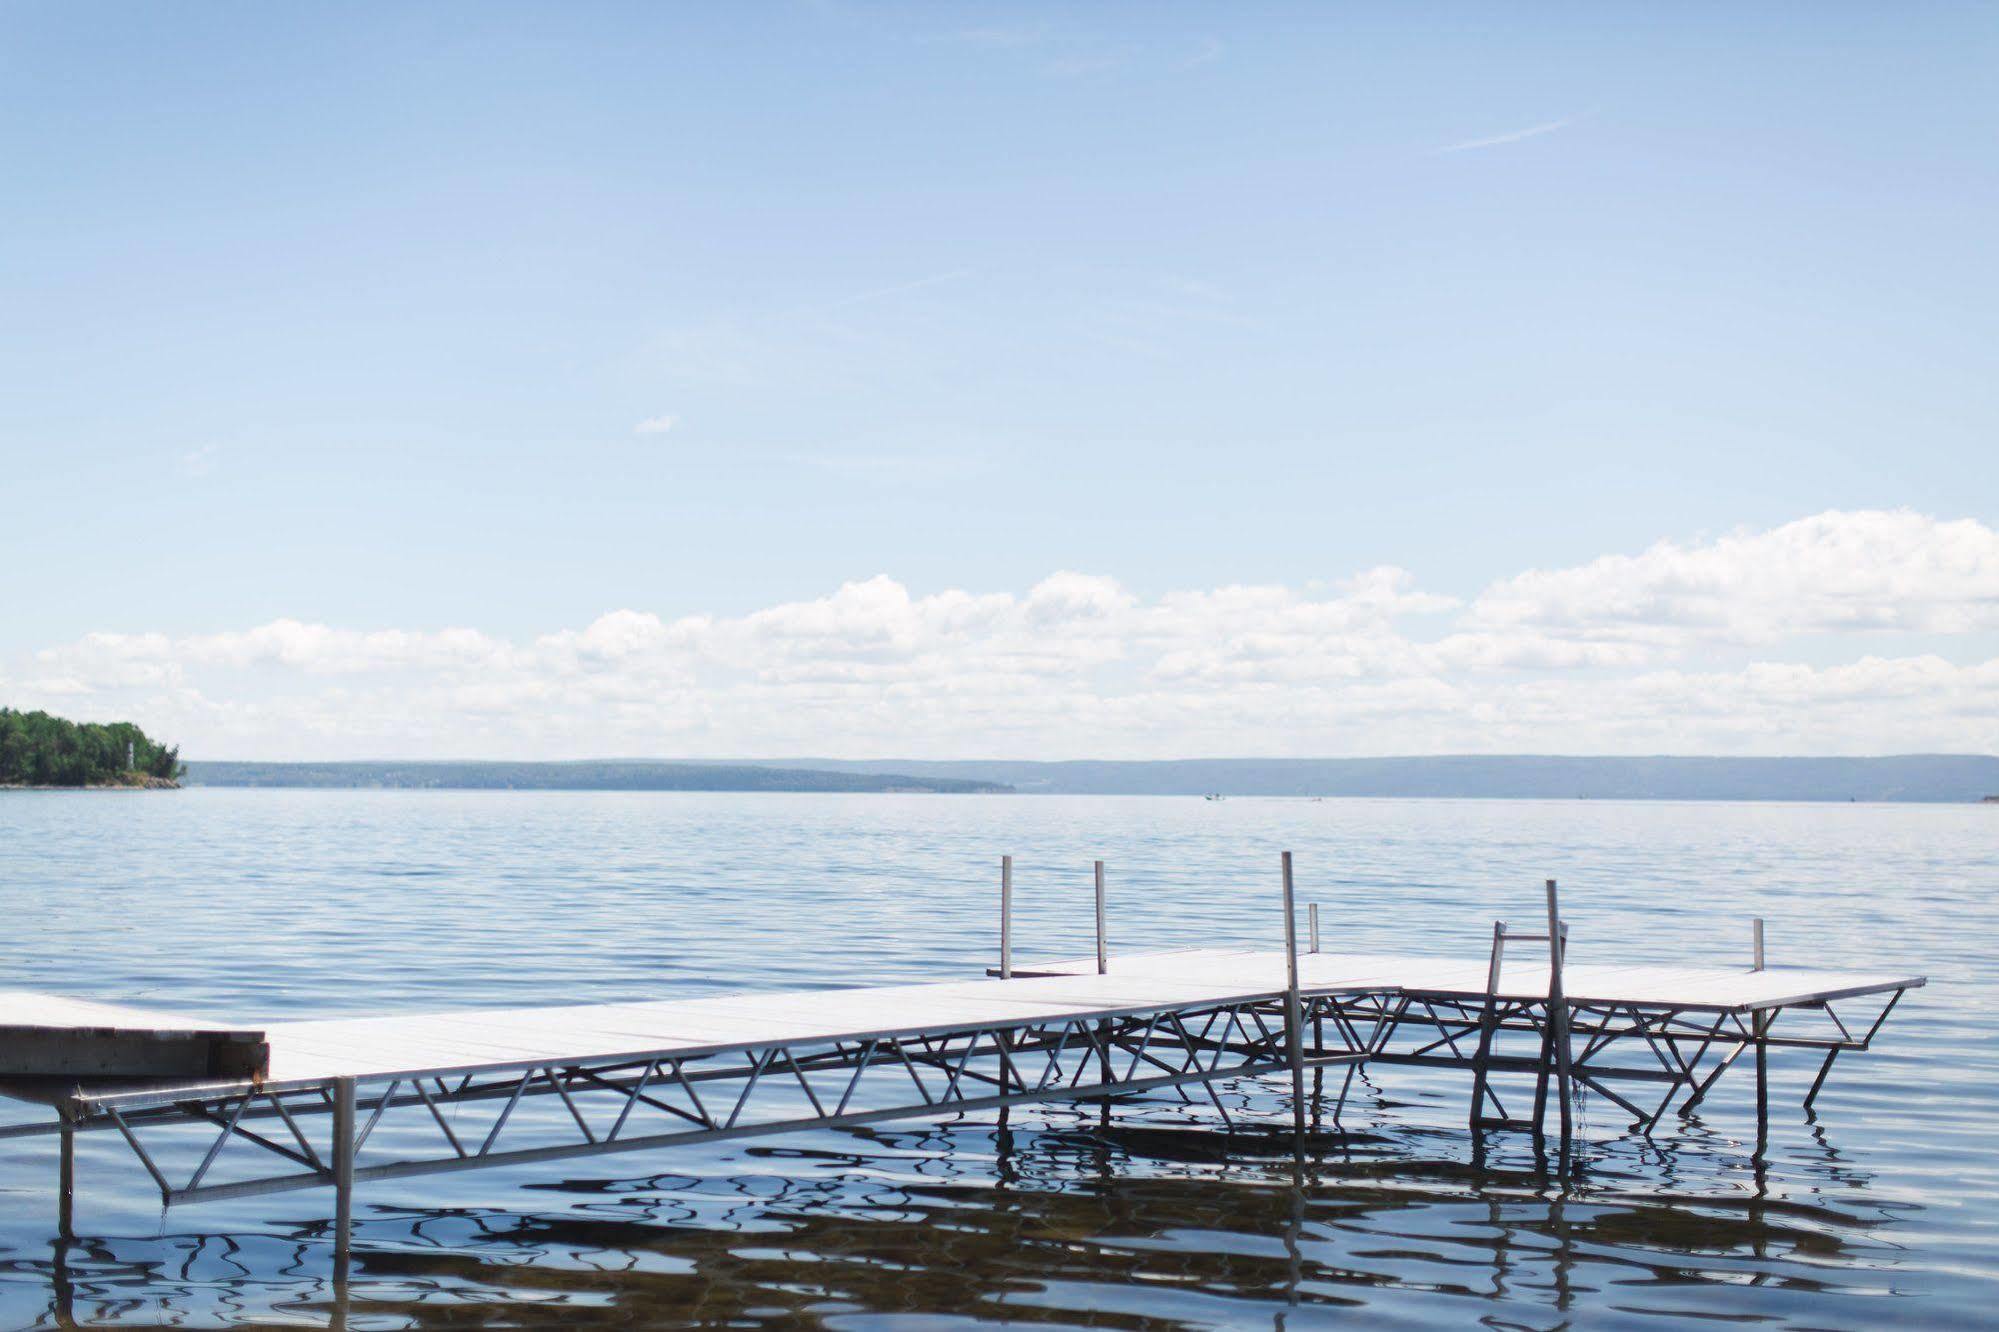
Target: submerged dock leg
[[66, 1182], [1762, 1029], [1294, 1016], [1558, 1015], [343, 1175], [1819, 1081]]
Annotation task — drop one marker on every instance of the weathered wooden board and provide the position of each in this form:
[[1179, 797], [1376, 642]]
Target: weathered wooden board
[[51, 1036]]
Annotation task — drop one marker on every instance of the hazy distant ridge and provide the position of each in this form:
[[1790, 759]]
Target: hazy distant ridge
[[1918, 777], [606, 775], [1925, 777]]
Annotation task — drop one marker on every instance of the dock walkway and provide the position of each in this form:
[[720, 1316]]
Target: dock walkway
[[441, 1089]]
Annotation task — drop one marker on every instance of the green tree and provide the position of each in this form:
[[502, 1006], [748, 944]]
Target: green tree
[[37, 749]]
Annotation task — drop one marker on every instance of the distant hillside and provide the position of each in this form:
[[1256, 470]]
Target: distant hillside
[[1926, 777], [635, 775], [1918, 777]]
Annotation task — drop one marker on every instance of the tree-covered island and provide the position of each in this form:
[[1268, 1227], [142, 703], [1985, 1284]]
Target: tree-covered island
[[39, 750]]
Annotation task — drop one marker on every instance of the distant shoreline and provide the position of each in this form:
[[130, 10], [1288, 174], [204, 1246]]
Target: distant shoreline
[[1910, 778], [581, 776], [140, 782]]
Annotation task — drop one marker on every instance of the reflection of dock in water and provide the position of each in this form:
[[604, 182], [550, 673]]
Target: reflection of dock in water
[[979, 1221]]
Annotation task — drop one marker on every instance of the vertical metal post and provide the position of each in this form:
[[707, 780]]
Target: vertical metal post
[[66, 1181], [1294, 1015], [1006, 917], [1103, 954], [1760, 1024], [1558, 1011], [1312, 918], [343, 1174], [1488, 1024]]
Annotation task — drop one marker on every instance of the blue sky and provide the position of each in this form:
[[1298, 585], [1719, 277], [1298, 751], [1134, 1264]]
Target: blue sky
[[349, 317]]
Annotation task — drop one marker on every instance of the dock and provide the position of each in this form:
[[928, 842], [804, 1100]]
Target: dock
[[645, 1076]]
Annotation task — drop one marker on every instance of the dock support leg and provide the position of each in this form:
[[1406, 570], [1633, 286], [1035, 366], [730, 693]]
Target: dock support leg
[[1318, 1070], [1294, 1015], [1688, 1106], [1819, 1081], [1762, 1029], [66, 1182], [1488, 1019], [1558, 1015], [1346, 1085], [1104, 1074], [343, 1175]]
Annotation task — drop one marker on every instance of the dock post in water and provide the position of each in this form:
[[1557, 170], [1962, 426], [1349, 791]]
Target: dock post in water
[[1103, 1028], [1294, 1016], [1103, 951], [1558, 1010], [1006, 917], [1760, 1025], [66, 1180], [1488, 1031], [343, 1174], [1312, 921]]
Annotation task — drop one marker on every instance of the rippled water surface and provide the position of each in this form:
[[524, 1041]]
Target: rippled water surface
[[255, 905]]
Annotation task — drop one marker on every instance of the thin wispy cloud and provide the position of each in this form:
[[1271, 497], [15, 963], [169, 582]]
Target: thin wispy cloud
[[1002, 37], [655, 425], [881, 293], [199, 462], [1511, 136], [1208, 52]]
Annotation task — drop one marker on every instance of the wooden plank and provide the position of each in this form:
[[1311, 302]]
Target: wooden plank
[[54, 1036]]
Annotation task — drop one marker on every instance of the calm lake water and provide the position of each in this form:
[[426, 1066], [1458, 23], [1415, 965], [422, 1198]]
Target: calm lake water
[[265, 904]]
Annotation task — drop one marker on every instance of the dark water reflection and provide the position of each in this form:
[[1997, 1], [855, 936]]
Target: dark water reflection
[[1884, 1211], [1157, 1220]]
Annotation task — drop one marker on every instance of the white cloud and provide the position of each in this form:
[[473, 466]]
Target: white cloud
[[1686, 646], [1511, 136], [655, 425], [199, 461], [1881, 570]]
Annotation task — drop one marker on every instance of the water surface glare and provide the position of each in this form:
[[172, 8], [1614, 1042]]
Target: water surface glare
[[250, 905]]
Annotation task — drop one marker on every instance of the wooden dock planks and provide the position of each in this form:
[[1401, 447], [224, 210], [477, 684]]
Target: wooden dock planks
[[53, 1036]]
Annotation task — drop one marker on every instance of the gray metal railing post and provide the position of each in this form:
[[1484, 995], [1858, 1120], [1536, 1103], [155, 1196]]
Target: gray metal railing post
[[1312, 917], [1756, 944], [1006, 917], [1103, 949]]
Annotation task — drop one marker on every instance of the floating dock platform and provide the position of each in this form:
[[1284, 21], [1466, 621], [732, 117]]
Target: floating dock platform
[[644, 1076]]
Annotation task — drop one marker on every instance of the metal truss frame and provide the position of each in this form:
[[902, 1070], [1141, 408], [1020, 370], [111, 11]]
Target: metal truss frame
[[1609, 1043], [317, 1133], [313, 1134]]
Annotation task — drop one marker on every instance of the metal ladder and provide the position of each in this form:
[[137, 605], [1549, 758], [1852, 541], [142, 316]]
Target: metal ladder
[[1554, 1056]]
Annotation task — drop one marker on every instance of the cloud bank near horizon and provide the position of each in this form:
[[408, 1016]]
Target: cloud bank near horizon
[[1844, 632]]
